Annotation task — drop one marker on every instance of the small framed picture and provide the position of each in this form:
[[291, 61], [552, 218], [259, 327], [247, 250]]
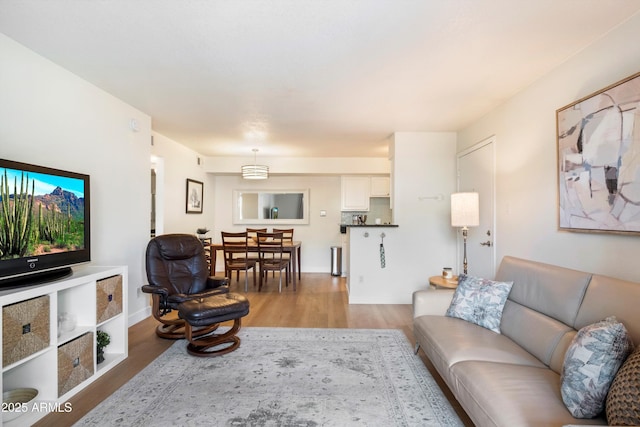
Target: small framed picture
[[195, 191]]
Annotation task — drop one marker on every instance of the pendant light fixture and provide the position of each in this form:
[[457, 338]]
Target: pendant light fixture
[[255, 171]]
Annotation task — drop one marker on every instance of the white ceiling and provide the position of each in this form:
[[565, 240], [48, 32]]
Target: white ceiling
[[332, 78]]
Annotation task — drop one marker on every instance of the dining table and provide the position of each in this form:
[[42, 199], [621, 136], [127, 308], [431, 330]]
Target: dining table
[[291, 247]]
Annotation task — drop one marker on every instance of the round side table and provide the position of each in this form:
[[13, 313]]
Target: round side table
[[441, 282]]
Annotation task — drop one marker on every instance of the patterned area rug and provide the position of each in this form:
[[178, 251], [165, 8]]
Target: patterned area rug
[[284, 377]]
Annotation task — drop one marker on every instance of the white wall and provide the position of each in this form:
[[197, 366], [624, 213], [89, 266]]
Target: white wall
[[526, 190], [180, 163], [424, 165], [302, 165], [424, 242], [317, 237], [51, 117]]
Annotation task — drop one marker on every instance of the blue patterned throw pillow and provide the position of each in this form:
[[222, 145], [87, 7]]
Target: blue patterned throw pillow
[[479, 301], [590, 365]]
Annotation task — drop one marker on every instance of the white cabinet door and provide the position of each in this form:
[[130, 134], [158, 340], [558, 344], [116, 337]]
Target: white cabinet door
[[355, 193], [380, 186]]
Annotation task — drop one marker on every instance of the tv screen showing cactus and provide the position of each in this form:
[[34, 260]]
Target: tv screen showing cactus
[[44, 221]]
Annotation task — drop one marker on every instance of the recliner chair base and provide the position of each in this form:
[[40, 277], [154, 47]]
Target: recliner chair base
[[206, 312], [205, 346], [178, 331]]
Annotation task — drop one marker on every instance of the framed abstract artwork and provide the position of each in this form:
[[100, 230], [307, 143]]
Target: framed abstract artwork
[[599, 160], [195, 190]]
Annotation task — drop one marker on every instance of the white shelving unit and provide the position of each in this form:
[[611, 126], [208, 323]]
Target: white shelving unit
[[76, 295]]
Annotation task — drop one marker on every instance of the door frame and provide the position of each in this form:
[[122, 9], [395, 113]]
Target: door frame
[[491, 140], [157, 164]]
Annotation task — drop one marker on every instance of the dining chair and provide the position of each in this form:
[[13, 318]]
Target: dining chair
[[270, 251], [252, 235], [287, 236], [236, 256], [206, 243]]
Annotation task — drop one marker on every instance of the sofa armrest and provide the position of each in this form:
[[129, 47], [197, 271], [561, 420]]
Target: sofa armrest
[[431, 302]]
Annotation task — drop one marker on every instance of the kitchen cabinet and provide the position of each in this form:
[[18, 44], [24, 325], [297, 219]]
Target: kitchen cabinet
[[355, 193], [380, 186]]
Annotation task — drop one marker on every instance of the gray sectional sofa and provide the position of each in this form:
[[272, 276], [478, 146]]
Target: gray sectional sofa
[[513, 378]]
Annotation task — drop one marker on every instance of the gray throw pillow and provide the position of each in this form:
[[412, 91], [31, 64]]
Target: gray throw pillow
[[479, 301], [590, 365]]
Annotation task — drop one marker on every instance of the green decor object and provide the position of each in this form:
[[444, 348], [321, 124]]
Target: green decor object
[[16, 211], [102, 340]]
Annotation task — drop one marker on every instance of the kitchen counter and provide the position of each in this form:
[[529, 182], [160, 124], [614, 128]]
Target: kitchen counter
[[375, 260], [343, 227], [370, 225]]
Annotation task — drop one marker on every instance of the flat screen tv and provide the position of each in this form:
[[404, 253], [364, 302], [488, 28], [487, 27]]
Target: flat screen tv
[[44, 222]]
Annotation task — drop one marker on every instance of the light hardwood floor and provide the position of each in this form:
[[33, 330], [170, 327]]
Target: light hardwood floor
[[320, 301]]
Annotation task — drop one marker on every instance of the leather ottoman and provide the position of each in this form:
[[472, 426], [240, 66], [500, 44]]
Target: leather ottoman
[[209, 311]]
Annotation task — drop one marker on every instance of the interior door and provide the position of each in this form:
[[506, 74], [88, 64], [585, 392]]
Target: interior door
[[476, 172]]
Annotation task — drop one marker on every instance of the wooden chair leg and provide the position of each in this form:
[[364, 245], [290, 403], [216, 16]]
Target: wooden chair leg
[[288, 275], [294, 282], [255, 268], [264, 278]]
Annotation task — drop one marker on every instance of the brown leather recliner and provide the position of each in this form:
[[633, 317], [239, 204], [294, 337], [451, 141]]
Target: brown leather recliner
[[177, 271]]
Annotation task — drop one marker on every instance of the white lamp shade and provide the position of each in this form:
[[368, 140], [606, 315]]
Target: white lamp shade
[[255, 172], [465, 210]]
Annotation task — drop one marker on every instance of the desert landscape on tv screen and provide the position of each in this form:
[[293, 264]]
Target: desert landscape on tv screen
[[40, 214]]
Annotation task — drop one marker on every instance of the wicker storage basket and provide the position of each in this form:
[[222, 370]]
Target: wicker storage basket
[[75, 362], [25, 329], [108, 298]]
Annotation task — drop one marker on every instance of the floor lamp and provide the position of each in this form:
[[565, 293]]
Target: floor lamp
[[465, 213]]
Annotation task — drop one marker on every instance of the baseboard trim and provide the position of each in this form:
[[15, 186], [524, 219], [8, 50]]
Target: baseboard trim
[[139, 315]]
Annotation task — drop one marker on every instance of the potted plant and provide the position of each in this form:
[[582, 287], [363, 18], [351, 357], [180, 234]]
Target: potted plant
[[102, 340]]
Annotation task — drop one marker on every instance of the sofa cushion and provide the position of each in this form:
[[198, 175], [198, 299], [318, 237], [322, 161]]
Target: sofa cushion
[[590, 365], [623, 400], [479, 301], [502, 394], [543, 336], [451, 340], [608, 296], [554, 291]]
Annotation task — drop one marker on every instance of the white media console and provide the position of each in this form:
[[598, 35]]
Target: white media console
[[58, 362]]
